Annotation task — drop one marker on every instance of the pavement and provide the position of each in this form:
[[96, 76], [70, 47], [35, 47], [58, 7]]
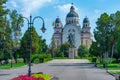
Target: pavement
[[62, 69]]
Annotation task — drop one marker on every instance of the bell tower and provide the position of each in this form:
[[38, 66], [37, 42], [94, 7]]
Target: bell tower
[[57, 36], [86, 36]]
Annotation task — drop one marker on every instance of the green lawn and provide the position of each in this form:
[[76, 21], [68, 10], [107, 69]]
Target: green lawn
[[14, 65], [113, 68], [115, 72]]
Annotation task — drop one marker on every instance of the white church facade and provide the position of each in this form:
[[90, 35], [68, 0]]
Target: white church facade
[[72, 32]]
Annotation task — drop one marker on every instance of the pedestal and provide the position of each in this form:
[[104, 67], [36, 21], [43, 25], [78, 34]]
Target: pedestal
[[71, 53], [75, 52]]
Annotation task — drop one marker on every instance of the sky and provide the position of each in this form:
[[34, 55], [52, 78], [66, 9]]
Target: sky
[[51, 9]]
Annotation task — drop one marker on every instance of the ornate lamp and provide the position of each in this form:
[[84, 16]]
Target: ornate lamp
[[43, 28]]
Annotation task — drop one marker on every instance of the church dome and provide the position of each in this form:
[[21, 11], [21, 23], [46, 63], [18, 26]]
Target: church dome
[[72, 16], [72, 13], [86, 20], [58, 23], [57, 20]]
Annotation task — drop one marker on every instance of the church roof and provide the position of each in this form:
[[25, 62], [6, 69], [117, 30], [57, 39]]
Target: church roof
[[57, 20], [86, 20], [72, 12]]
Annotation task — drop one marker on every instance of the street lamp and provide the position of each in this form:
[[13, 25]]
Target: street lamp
[[30, 26]]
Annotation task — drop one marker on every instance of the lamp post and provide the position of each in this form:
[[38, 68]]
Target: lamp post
[[30, 21]]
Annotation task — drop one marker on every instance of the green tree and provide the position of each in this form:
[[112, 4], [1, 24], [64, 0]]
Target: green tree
[[83, 51], [62, 50], [96, 51], [107, 32], [38, 45], [16, 23], [4, 34], [102, 33], [115, 31], [25, 44]]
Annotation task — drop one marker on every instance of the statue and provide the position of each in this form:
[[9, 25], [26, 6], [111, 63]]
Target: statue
[[71, 39]]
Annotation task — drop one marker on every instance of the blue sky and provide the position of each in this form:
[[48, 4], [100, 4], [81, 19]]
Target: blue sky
[[50, 9]]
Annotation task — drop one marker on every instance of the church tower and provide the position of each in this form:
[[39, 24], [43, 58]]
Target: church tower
[[57, 36], [86, 36], [72, 28]]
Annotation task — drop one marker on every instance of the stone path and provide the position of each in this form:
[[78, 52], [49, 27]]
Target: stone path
[[67, 69]]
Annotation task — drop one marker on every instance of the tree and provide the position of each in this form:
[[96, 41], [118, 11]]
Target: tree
[[102, 33], [83, 51], [117, 54], [62, 50], [25, 44], [9, 22], [96, 51], [38, 45], [115, 31], [4, 31], [16, 22], [107, 32]]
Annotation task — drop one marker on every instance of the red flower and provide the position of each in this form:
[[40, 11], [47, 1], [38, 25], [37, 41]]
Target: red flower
[[26, 77]]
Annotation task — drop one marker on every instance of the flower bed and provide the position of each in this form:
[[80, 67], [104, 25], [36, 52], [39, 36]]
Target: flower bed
[[33, 77]]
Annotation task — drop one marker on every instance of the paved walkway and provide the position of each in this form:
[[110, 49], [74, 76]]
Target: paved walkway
[[62, 70]]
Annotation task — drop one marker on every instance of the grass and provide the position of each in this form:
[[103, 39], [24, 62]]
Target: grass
[[114, 72], [113, 68], [14, 65]]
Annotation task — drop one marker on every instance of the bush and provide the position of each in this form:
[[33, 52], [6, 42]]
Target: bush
[[39, 58]]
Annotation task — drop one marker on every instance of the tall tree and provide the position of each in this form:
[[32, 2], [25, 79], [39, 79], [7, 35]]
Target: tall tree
[[115, 30], [4, 31], [102, 32], [38, 44], [16, 23]]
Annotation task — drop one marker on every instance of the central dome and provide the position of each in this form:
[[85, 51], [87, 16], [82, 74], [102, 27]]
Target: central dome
[[72, 12], [72, 16]]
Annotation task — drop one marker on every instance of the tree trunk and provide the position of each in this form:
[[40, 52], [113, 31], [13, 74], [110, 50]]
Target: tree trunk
[[112, 53], [107, 57]]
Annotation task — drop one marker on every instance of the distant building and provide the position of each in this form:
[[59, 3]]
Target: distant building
[[72, 27]]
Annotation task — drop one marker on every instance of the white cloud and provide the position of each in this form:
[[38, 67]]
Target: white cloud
[[26, 7], [30, 6], [65, 8]]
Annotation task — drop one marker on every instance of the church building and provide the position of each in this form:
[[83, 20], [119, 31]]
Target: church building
[[72, 32]]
